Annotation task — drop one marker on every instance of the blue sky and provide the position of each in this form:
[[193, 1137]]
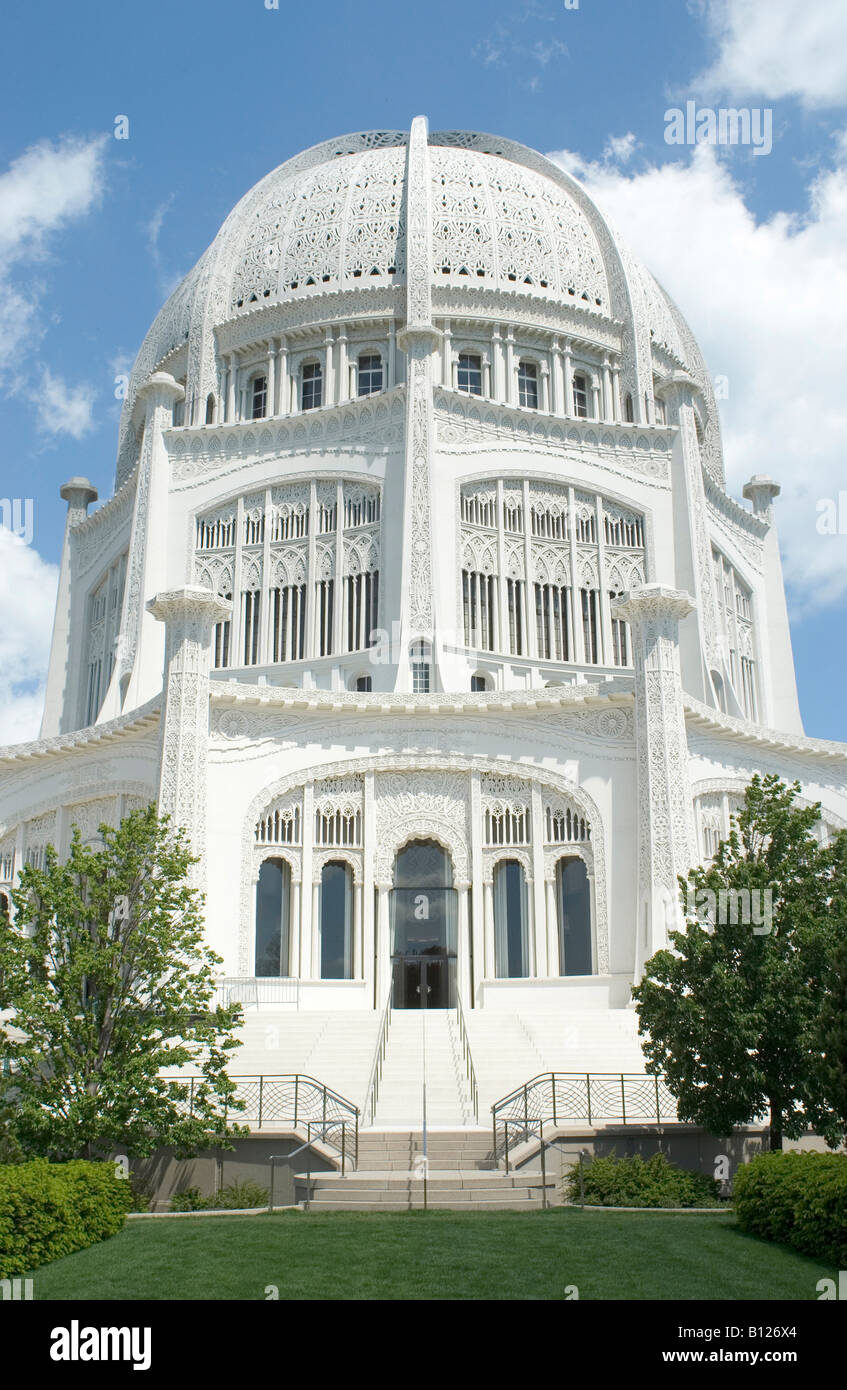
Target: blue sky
[[94, 231]]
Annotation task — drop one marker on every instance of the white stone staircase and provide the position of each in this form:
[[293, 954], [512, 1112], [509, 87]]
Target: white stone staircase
[[423, 1045], [509, 1048], [335, 1048]]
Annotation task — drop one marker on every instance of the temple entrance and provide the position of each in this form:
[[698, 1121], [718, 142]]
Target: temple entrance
[[423, 928], [423, 982]]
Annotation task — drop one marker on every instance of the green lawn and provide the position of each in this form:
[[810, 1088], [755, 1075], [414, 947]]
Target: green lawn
[[434, 1255]]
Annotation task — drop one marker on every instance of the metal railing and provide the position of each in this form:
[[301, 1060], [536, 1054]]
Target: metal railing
[[372, 1091], [295, 1100], [590, 1098], [468, 1059], [248, 991]]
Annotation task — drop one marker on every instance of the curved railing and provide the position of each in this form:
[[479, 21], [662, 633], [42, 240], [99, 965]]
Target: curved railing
[[296, 1100], [579, 1097]]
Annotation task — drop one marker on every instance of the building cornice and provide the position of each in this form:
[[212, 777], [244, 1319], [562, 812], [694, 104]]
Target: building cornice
[[126, 725], [491, 702], [703, 718]]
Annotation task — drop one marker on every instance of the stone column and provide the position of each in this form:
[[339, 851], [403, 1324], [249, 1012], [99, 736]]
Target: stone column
[[419, 340], [777, 678], [666, 847], [554, 966], [64, 672], [189, 615], [383, 945], [141, 646], [463, 946]]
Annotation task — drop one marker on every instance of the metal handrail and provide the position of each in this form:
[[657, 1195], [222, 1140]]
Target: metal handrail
[[289, 1098], [582, 1096], [372, 1090], [466, 1050]]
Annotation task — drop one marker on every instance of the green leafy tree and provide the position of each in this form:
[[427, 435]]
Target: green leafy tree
[[732, 1012], [108, 983], [831, 1047]]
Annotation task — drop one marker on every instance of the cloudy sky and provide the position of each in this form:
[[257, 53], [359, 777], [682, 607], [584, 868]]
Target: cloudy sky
[[95, 231]]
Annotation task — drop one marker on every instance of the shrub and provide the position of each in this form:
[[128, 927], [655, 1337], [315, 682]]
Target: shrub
[[239, 1195], [189, 1199], [634, 1182], [52, 1209], [234, 1197], [797, 1198]]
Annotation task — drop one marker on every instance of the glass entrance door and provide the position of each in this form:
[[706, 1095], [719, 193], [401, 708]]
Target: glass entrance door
[[423, 928], [423, 982]]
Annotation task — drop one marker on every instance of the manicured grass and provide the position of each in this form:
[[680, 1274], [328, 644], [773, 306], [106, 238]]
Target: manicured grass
[[434, 1255]]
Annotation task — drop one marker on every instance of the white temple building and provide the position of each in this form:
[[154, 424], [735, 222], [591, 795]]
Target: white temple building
[[421, 603]]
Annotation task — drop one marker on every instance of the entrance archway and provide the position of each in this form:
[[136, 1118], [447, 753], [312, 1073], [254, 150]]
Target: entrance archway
[[423, 928]]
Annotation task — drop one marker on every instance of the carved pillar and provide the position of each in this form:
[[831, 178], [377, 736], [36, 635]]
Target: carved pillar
[[306, 875], [383, 945], [368, 924], [666, 846], [189, 615], [140, 650], [419, 341], [63, 676], [553, 964], [463, 946], [539, 913], [490, 956]]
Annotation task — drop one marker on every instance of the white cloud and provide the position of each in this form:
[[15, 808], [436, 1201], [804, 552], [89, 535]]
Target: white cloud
[[766, 303], [63, 409], [779, 48], [619, 149], [27, 600], [42, 191]]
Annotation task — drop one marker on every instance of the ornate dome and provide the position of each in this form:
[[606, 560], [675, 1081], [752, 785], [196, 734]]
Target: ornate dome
[[333, 220]]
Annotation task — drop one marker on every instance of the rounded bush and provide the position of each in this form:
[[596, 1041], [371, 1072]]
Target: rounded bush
[[52, 1209], [799, 1199]]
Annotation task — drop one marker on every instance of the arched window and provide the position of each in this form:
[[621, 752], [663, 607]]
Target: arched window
[[528, 385], [220, 640], [629, 412], [580, 396], [573, 905], [210, 409], [479, 682], [311, 387], [419, 658], [511, 920], [273, 914], [370, 374], [469, 376], [258, 397], [336, 918], [363, 684]]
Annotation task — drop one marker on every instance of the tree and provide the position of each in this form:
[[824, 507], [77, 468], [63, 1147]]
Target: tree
[[831, 1046], [732, 1011], [109, 983]]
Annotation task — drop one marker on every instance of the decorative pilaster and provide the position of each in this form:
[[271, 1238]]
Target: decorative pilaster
[[139, 653], [189, 615], [782, 708], [665, 818], [418, 340], [63, 680]]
